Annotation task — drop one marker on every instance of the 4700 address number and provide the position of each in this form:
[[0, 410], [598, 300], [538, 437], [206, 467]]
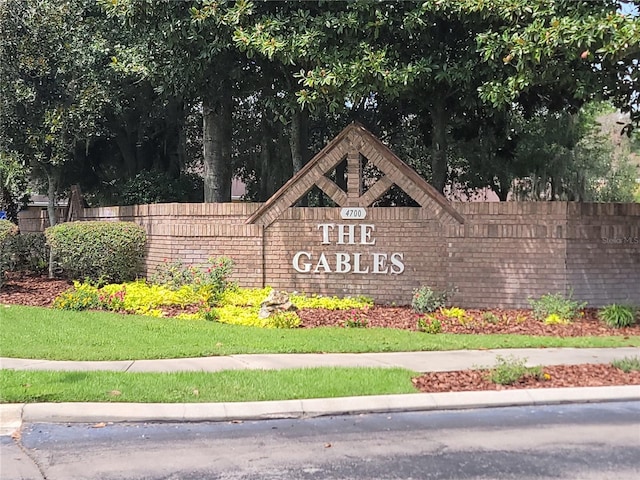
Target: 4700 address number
[[353, 213]]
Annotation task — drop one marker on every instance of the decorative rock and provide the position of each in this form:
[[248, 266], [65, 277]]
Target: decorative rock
[[274, 303]]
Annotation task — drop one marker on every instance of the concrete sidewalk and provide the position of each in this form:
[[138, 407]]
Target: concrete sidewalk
[[12, 415], [440, 361]]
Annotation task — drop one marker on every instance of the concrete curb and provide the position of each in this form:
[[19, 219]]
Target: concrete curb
[[12, 415], [220, 412]]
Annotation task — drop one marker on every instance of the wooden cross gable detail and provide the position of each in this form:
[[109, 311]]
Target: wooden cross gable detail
[[355, 144]]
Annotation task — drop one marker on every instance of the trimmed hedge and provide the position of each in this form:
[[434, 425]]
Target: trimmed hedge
[[7, 230], [27, 252], [100, 252]]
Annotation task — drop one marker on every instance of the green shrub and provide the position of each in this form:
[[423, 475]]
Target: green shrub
[[490, 317], [27, 252], [564, 309], [101, 252], [627, 364], [425, 299], [8, 230], [510, 370], [173, 274], [617, 316], [213, 279], [429, 324]]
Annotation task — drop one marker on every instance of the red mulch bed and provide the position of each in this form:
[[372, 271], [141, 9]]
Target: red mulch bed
[[40, 291], [34, 290], [557, 376], [519, 322]]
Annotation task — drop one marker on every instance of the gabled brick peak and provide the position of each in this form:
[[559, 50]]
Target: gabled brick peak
[[353, 141]]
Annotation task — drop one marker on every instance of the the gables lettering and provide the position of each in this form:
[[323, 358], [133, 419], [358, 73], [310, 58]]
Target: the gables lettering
[[342, 262]]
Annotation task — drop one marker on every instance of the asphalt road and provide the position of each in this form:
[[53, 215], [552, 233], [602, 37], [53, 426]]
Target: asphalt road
[[591, 441]]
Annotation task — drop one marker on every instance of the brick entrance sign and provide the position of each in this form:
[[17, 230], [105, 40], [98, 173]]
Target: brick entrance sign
[[493, 253], [356, 248]]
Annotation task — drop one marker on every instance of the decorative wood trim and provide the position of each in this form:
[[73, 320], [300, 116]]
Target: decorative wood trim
[[332, 190], [350, 144], [375, 191]]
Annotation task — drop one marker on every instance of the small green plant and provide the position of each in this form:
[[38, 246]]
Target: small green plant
[[209, 314], [490, 317], [356, 320], [282, 320], [81, 296], [556, 304], [627, 364], [212, 280], [617, 316], [113, 301], [555, 319], [453, 312], [426, 300], [429, 324], [172, 274], [509, 370], [456, 313]]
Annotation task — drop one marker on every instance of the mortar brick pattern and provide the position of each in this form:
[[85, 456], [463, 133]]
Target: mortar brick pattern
[[503, 254]]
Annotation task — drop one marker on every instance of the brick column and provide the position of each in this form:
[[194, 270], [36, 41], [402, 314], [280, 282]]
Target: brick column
[[354, 178]]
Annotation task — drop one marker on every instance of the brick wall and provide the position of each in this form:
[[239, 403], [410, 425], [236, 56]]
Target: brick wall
[[603, 252], [509, 251], [407, 236], [35, 220], [195, 232], [502, 253]]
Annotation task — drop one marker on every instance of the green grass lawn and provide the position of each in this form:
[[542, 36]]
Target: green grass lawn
[[31, 332], [190, 387]]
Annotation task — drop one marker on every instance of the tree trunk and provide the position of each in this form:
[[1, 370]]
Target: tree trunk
[[439, 145], [502, 180], [216, 139], [299, 139], [127, 150], [265, 165], [177, 160], [52, 189]]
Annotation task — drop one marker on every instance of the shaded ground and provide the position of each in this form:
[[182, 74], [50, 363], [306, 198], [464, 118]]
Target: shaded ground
[[31, 290], [40, 291]]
